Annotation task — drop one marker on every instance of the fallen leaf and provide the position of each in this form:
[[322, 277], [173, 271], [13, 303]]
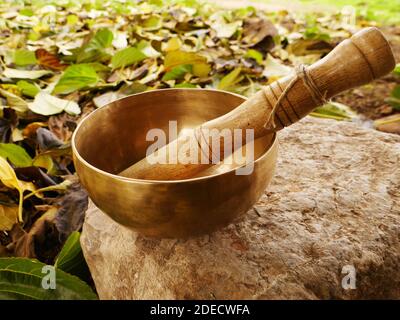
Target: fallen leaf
[[42, 239], [24, 57], [274, 70], [16, 135], [304, 47], [394, 99], [126, 57], [147, 49], [30, 130], [225, 30], [27, 88], [334, 110], [73, 206], [37, 176], [46, 104], [10, 180], [49, 60], [15, 154], [62, 125], [7, 124], [230, 79], [76, 77], [172, 44], [256, 30], [153, 23], [44, 161], [8, 217], [254, 54], [120, 40], [177, 72], [47, 140], [390, 124], [15, 102], [176, 58], [397, 69], [25, 74], [94, 49], [107, 98]]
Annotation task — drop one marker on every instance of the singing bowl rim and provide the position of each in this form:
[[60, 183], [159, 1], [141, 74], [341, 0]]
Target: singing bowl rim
[[146, 181]]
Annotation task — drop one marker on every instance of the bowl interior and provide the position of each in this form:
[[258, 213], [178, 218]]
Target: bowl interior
[[114, 136]]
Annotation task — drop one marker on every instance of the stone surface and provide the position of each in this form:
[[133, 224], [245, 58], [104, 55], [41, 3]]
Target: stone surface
[[334, 201]]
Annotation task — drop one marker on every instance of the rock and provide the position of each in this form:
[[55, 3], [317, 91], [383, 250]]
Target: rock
[[333, 204]]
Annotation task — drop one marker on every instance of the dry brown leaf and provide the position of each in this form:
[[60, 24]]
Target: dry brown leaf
[[8, 217], [49, 60], [257, 29]]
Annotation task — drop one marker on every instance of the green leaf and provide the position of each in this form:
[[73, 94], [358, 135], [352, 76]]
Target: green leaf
[[72, 19], [71, 259], [397, 69], [25, 74], [126, 57], [334, 110], [315, 33], [27, 88], [94, 50], [177, 72], [26, 12], [185, 85], [98, 67], [15, 154], [176, 58], [394, 99], [153, 23], [46, 104], [21, 278], [254, 54], [71, 249], [230, 79], [396, 92], [76, 77], [24, 57], [394, 102], [102, 39]]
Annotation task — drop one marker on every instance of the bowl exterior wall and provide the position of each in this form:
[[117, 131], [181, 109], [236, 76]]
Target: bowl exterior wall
[[172, 209]]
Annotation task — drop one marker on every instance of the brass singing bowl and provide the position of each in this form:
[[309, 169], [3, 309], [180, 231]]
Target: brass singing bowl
[[114, 136]]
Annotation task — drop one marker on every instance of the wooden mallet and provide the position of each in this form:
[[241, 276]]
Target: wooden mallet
[[355, 61]]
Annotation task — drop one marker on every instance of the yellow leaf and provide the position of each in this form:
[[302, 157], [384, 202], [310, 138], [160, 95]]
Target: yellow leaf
[[44, 161], [10, 180], [8, 217], [201, 70], [7, 175], [230, 79], [173, 44], [176, 58]]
